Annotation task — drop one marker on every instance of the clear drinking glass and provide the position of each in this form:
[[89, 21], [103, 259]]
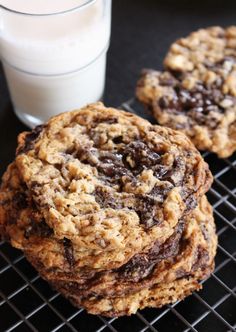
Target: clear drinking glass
[[54, 60]]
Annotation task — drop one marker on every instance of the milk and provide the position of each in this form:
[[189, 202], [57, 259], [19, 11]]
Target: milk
[[54, 63]]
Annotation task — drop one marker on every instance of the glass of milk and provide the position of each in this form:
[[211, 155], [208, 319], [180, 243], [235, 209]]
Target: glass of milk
[[53, 54]]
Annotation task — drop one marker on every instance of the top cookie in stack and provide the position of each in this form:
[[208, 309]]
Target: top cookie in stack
[[197, 92], [97, 192], [108, 180]]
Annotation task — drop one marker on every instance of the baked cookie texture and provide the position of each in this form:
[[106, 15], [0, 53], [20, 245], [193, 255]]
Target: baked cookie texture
[[196, 93], [109, 181], [110, 210]]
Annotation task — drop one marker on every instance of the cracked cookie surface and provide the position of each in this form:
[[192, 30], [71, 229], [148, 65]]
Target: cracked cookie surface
[[197, 92], [164, 273], [109, 181], [110, 210], [170, 279]]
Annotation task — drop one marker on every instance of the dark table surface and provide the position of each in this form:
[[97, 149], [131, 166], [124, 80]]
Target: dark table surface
[[142, 31], [141, 34]]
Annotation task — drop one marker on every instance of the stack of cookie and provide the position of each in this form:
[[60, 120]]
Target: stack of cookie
[[197, 92], [110, 210]]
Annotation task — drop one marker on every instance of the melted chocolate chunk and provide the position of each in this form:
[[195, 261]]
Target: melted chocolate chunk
[[114, 173], [118, 140], [160, 192], [176, 174], [87, 155], [181, 273], [69, 252], [141, 265], [108, 163], [129, 160], [146, 209], [198, 100], [111, 165], [160, 170], [147, 205], [20, 201], [108, 120], [30, 139], [138, 156], [190, 202], [105, 200], [164, 102], [202, 101], [202, 258], [40, 229]]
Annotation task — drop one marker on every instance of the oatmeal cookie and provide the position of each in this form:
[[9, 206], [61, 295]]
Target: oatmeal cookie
[[197, 92], [24, 226], [169, 280], [165, 273], [109, 181]]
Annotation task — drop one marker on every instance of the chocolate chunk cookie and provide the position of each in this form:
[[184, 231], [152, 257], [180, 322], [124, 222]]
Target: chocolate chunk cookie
[[22, 223], [197, 92], [164, 273], [110, 210], [170, 279], [109, 181]]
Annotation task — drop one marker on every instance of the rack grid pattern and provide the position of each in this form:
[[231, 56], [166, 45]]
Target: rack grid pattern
[[27, 303]]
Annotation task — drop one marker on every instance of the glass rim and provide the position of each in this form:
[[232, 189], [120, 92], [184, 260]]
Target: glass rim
[[73, 9]]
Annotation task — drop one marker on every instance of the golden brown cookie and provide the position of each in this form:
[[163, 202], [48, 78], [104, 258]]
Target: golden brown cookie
[[103, 204], [109, 181], [169, 280], [197, 92], [166, 272]]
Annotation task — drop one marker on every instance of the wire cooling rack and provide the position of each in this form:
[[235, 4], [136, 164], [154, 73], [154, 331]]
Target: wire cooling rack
[[27, 303]]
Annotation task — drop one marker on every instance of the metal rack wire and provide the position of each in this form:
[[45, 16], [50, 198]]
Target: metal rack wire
[[27, 303]]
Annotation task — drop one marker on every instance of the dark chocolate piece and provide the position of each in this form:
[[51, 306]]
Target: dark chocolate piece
[[30, 139], [68, 250]]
